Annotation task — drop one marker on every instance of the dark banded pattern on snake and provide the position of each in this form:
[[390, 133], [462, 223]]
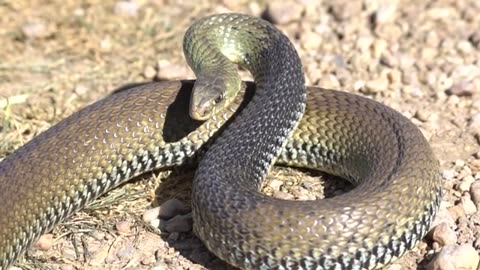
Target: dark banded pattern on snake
[[147, 127]]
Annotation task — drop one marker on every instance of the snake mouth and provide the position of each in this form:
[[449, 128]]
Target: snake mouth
[[201, 113]]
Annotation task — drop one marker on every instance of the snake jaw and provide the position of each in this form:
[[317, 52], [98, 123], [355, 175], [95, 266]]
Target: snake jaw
[[207, 98]]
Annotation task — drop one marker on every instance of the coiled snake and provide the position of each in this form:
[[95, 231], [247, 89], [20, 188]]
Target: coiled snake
[[147, 127]]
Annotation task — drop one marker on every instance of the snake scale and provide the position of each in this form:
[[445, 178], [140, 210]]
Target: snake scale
[[276, 120]]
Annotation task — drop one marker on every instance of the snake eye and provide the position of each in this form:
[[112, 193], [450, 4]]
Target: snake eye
[[218, 99]]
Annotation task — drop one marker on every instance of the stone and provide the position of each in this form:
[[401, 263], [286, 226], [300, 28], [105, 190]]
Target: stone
[[167, 210], [126, 8], [443, 234], [453, 257], [45, 242], [475, 193], [123, 227], [283, 12]]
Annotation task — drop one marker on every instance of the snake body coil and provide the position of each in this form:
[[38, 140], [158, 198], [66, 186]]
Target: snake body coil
[[396, 175]]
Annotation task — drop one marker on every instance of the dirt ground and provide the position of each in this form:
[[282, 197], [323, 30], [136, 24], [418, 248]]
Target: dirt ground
[[420, 57]]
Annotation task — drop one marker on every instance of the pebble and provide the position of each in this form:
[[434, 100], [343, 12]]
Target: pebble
[[391, 61], [462, 89], [35, 30], [375, 86], [126, 8], [468, 205], [443, 234], [275, 184], [475, 39], [448, 174], [453, 257], [475, 193], [378, 47], [283, 195], [385, 12], [343, 9], [283, 12], [149, 72], [456, 211], [80, 89], [466, 183], [148, 259], [475, 165], [123, 227], [45, 242], [422, 115], [179, 223], [167, 210]]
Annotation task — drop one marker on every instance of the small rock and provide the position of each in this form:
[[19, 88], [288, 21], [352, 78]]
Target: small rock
[[475, 39], [35, 30], [149, 72], [126, 8], [454, 257], [468, 205], [275, 184], [123, 227], [385, 12], [148, 259], [448, 174], [311, 41], [106, 45], [283, 12], [167, 210], [180, 223], [329, 81], [466, 183], [456, 211], [80, 89], [343, 10], [378, 47], [422, 115], [443, 235], [391, 61], [375, 86], [464, 47], [475, 193], [475, 165], [459, 163], [358, 85], [283, 195], [45, 242], [462, 89]]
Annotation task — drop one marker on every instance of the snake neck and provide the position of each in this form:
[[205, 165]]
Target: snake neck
[[278, 104]]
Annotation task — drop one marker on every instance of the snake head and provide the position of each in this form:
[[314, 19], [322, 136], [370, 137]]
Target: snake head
[[208, 97]]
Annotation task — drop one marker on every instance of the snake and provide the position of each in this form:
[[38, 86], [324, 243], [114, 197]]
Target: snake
[[237, 131]]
